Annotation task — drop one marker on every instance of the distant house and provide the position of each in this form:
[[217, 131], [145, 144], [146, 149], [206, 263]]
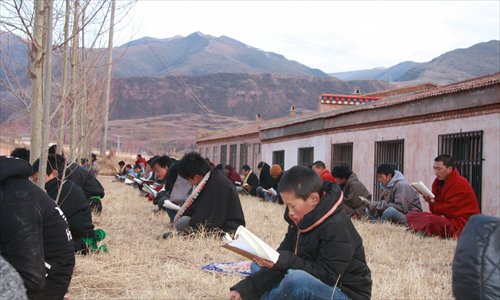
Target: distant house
[[407, 128]]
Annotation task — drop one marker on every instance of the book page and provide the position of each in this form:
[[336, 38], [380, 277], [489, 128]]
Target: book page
[[261, 249], [249, 245], [422, 189], [272, 191], [169, 204]]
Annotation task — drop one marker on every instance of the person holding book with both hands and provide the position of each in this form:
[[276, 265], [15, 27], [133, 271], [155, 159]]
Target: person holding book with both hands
[[454, 203], [322, 254]]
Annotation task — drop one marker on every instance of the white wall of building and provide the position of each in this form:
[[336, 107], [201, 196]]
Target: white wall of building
[[420, 149]]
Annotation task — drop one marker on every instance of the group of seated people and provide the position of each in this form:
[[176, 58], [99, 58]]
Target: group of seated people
[[322, 254], [41, 230]]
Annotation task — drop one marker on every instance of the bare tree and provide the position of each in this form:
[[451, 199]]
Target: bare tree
[[64, 83], [108, 80], [36, 62], [47, 83]]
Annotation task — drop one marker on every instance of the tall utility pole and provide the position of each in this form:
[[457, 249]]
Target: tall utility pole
[[108, 81]]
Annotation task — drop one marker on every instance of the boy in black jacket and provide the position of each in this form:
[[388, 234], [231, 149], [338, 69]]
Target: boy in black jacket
[[34, 236], [71, 200], [322, 255]]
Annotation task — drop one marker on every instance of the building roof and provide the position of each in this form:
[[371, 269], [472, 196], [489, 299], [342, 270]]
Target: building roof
[[394, 100], [403, 90]]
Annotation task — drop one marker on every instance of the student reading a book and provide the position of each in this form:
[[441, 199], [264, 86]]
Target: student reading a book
[[250, 181], [397, 197], [322, 254], [454, 203], [232, 175], [353, 190], [213, 203], [270, 193], [320, 168]]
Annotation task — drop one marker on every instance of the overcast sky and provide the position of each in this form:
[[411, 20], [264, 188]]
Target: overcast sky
[[333, 36]]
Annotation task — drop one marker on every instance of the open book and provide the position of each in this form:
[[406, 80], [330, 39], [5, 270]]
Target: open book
[[149, 189], [169, 204], [249, 245], [422, 189], [272, 191]]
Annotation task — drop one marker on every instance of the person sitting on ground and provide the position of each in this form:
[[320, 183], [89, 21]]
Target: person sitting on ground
[[138, 171], [271, 194], [149, 173], [266, 181], [322, 255], [141, 161], [397, 197], [92, 188], [233, 176], [353, 190], [214, 203], [21, 153], [220, 167], [250, 181], [130, 172], [320, 168], [34, 235], [94, 166], [454, 203], [121, 168], [71, 199]]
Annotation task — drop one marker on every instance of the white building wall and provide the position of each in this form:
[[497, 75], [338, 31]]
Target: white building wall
[[291, 148], [420, 149]]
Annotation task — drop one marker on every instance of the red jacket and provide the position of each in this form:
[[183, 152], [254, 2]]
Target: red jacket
[[456, 200], [326, 176]]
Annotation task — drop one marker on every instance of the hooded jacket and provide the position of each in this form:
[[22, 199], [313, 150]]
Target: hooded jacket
[[33, 230], [398, 193], [81, 177], [352, 189], [324, 244], [74, 205]]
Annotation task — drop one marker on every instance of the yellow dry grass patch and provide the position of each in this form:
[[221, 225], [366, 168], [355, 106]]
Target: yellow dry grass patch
[[141, 265]]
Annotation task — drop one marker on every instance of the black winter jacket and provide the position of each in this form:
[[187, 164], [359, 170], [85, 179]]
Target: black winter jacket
[[327, 249], [81, 177], [265, 178], [74, 205], [218, 205], [33, 229]]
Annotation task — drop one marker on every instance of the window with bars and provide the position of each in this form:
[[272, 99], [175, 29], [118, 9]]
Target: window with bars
[[305, 156], [216, 155], [207, 152], [232, 155], [466, 148], [223, 154], [243, 154], [342, 155], [387, 152], [279, 158], [256, 155]]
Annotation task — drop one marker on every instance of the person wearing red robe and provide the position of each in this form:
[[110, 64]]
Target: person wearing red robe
[[319, 168], [454, 203]]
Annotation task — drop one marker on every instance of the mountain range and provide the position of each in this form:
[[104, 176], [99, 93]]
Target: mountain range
[[456, 65], [220, 77]]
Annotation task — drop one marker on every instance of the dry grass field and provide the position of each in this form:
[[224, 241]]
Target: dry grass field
[[142, 265]]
